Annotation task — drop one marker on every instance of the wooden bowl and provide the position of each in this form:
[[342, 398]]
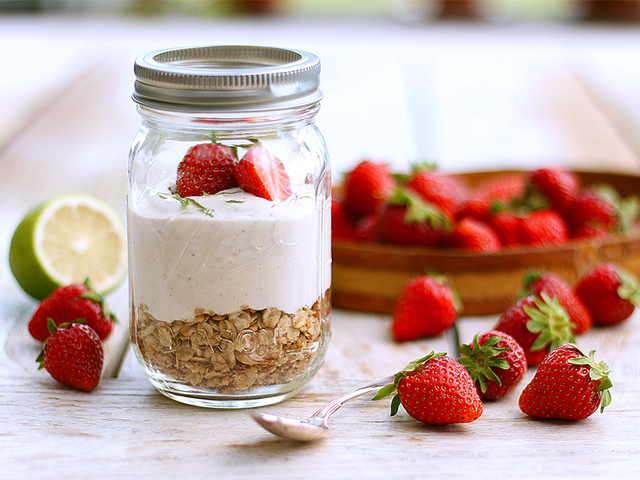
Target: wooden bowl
[[369, 277]]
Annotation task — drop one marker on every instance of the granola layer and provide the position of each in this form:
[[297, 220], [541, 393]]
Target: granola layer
[[235, 352]]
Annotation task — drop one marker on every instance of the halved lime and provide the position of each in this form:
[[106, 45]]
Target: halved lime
[[67, 239]]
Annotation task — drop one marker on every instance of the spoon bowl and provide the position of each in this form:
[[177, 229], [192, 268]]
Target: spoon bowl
[[315, 427], [300, 430]]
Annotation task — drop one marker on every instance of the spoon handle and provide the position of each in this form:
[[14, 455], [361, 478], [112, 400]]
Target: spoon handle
[[330, 408]]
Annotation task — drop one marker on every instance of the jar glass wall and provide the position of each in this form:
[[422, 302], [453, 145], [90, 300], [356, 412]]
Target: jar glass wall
[[230, 291]]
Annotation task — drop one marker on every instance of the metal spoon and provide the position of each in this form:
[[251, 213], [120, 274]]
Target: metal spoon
[[314, 427]]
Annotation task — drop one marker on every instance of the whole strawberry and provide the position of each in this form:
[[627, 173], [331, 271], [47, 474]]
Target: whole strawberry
[[73, 355], [426, 306], [559, 187], [434, 389], [508, 225], [409, 220], [568, 385], [496, 363], [259, 172], [500, 189], [207, 168], [536, 282], [595, 209], [475, 236], [538, 324], [543, 228], [443, 191], [609, 292], [367, 187], [68, 304]]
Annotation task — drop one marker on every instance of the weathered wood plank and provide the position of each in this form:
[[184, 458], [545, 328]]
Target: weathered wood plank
[[126, 428]]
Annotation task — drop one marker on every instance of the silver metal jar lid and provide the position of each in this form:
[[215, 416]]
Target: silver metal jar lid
[[229, 77]]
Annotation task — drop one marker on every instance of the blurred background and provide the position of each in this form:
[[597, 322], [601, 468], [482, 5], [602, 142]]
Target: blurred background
[[406, 10], [468, 84]]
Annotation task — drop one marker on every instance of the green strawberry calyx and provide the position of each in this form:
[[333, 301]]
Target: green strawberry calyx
[[551, 321], [480, 361], [99, 299], [627, 208], [532, 275], [628, 288], [598, 372], [419, 210], [392, 388]]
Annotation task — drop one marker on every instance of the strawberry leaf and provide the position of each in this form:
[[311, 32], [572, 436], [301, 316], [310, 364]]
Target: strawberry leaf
[[419, 210], [395, 404], [385, 391], [598, 372], [99, 299], [628, 288], [392, 388], [628, 211]]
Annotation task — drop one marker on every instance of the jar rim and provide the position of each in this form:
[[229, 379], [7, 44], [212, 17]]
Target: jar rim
[[227, 77]]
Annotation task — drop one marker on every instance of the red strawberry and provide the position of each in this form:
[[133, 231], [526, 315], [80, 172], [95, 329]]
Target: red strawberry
[[543, 228], [475, 236], [508, 226], [559, 187], [206, 169], [367, 227], [443, 191], [538, 324], [537, 282], [409, 220], [592, 208], [426, 306], [434, 389], [609, 292], [503, 187], [73, 355], [259, 172], [367, 187], [395, 225], [599, 208], [342, 225], [496, 363], [68, 304], [568, 385], [500, 189]]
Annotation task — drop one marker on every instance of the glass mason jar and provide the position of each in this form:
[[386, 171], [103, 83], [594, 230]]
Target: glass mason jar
[[230, 290]]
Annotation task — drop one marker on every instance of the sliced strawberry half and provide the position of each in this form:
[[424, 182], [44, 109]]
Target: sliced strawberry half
[[259, 172]]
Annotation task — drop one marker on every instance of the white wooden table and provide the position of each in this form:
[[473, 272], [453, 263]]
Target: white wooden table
[[469, 96]]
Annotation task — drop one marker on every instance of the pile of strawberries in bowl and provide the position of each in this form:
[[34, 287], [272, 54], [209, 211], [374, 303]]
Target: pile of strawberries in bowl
[[539, 208]]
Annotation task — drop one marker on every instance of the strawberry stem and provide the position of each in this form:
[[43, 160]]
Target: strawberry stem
[[99, 299]]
